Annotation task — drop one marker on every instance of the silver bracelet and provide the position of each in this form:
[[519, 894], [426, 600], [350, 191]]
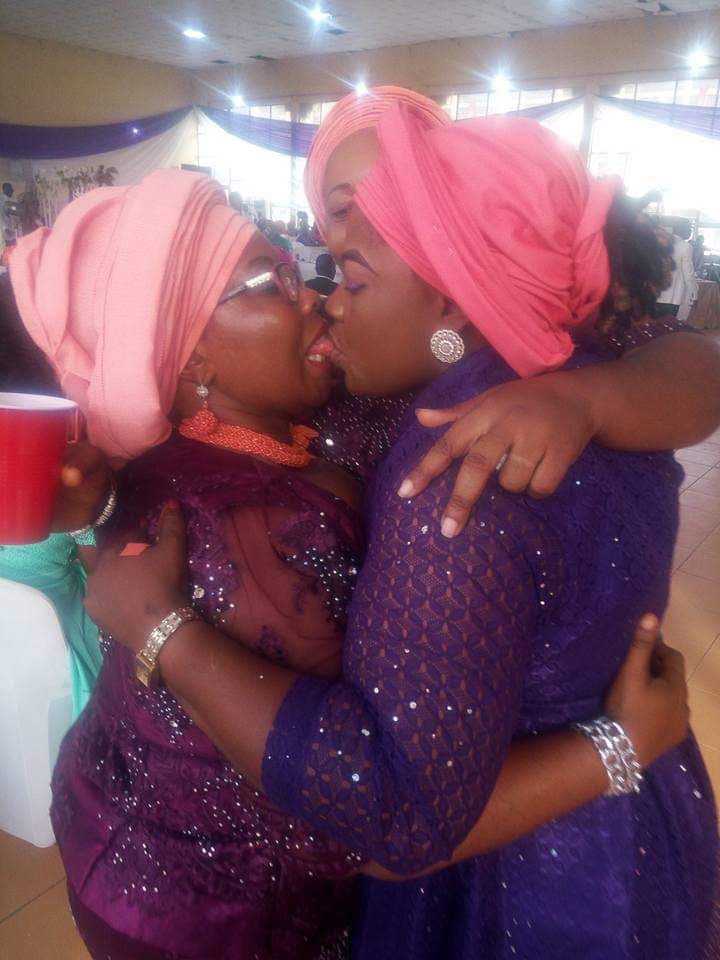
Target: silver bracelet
[[85, 536], [617, 754]]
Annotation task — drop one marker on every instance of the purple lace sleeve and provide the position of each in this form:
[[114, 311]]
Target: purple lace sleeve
[[398, 761], [355, 433]]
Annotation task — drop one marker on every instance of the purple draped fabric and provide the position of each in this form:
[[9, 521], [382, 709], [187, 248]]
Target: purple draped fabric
[[702, 120], [280, 136], [21, 142], [455, 647], [295, 139]]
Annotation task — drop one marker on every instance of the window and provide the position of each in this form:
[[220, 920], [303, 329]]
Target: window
[[262, 178], [503, 102], [261, 110], [449, 104], [662, 91], [315, 112], [651, 156], [471, 105], [609, 164], [626, 91], [697, 93], [280, 111], [535, 98], [310, 113], [327, 107], [465, 106]]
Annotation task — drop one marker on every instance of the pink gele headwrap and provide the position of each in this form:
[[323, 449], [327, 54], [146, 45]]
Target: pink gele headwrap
[[358, 111], [119, 292], [502, 217]]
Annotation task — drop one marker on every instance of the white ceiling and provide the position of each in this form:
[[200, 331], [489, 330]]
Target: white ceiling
[[238, 29]]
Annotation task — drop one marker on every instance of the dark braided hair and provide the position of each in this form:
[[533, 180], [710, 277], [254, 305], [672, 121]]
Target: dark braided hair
[[23, 367], [641, 264]]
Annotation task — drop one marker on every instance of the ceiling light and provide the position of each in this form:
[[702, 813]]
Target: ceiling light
[[193, 34], [238, 101], [361, 88], [500, 83], [697, 60], [318, 15]]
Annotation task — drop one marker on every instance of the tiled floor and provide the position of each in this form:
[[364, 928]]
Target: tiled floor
[[34, 920]]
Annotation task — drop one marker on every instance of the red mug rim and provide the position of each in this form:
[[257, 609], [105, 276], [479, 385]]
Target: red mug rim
[[33, 401]]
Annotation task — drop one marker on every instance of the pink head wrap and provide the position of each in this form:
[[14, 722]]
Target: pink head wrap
[[358, 111], [503, 218], [119, 292]]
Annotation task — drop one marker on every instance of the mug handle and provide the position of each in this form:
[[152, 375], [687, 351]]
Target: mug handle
[[76, 426]]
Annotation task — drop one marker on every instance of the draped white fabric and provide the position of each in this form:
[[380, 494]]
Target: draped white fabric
[[272, 180]]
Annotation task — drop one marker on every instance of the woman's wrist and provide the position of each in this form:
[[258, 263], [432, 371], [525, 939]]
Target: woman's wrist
[[181, 649], [589, 391], [617, 753], [85, 536], [138, 628]]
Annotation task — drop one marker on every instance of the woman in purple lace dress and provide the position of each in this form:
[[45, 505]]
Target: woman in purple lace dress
[[457, 647]]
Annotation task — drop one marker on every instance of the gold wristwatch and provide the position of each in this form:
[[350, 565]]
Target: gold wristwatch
[[147, 669]]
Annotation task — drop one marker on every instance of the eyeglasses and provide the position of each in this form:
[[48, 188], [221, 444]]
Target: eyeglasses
[[283, 276]]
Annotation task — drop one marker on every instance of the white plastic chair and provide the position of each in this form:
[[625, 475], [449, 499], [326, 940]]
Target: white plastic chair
[[35, 709]]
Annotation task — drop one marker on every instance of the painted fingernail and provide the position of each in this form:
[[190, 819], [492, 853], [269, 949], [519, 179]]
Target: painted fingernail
[[648, 622], [172, 504], [406, 489], [449, 527]]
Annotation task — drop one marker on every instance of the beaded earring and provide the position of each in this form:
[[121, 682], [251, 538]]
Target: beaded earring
[[447, 346]]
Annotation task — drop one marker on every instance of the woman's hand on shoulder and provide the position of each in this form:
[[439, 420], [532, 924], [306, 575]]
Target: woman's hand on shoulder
[[134, 586], [530, 431], [649, 696]]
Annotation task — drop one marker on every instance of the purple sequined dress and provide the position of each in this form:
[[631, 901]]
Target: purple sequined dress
[[454, 647], [168, 853]]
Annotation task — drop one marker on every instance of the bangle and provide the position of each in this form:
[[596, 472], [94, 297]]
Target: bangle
[[617, 754], [85, 536], [146, 665]]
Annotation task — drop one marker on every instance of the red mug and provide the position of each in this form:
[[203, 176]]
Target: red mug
[[33, 434]]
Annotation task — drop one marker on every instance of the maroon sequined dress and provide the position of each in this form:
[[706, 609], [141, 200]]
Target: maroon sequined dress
[[168, 852]]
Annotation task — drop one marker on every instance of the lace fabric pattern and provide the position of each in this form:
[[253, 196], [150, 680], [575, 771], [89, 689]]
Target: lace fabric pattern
[[455, 647], [355, 433]]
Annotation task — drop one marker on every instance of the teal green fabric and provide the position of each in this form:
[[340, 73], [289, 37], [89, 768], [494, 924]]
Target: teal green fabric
[[54, 568]]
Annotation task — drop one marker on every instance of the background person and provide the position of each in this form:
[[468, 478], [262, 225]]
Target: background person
[[678, 297], [324, 280]]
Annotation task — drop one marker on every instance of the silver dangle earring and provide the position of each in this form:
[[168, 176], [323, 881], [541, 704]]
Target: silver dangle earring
[[447, 346], [202, 391]]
